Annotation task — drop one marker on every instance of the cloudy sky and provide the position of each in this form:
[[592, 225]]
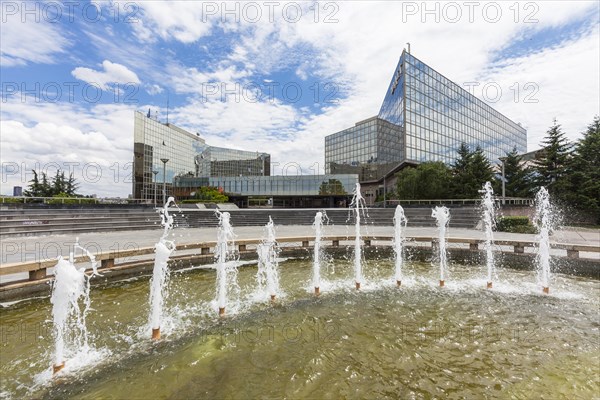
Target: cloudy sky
[[269, 76]]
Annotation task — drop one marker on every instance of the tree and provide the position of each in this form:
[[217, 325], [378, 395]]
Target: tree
[[332, 187], [518, 179], [58, 183], [59, 186], [470, 171], [46, 189], [460, 171], [430, 180], [210, 194], [584, 172], [481, 170], [35, 187], [551, 167], [71, 186]]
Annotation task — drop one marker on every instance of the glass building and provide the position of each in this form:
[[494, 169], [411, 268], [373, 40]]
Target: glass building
[[291, 190], [424, 117], [281, 185], [187, 155], [154, 141]]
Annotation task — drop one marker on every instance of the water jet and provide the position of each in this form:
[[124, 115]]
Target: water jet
[[160, 273], [489, 221], [358, 203], [400, 222], [442, 217]]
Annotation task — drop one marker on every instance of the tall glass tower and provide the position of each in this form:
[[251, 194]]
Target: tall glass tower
[[424, 117]]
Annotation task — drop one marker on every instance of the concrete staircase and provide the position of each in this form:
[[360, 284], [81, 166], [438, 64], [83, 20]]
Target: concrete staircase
[[52, 221], [55, 221]]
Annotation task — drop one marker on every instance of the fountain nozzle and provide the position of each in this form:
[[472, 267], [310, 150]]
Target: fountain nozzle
[[317, 291], [398, 283], [272, 298], [357, 285], [546, 290], [442, 283], [155, 333], [57, 367], [489, 285], [221, 311]]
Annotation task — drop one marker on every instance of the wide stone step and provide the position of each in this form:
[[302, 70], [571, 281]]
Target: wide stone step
[[83, 229]]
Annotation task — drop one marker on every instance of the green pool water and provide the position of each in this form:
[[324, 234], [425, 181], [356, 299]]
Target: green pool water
[[416, 341]]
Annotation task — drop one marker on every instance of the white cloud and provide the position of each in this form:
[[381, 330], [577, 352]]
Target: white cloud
[[180, 20], [154, 89], [30, 42], [96, 146], [561, 82], [191, 80], [111, 73]]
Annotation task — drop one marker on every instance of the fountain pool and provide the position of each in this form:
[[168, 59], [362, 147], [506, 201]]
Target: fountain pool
[[414, 341]]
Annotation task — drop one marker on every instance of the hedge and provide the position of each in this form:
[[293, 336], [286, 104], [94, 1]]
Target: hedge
[[516, 224]]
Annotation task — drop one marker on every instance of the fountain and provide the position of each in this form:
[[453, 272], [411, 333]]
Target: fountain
[[160, 273], [318, 227], [400, 222], [226, 263], [267, 274], [358, 202], [489, 221], [544, 222], [442, 217], [70, 285], [203, 347]]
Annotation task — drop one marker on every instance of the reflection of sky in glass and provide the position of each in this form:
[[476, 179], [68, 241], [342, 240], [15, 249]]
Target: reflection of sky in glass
[[440, 115]]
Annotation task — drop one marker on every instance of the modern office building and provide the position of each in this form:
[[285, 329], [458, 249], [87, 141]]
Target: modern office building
[[424, 117], [278, 191], [163, 151]]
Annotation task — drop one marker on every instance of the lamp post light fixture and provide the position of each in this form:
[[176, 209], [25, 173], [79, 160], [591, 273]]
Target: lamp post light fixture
[[503, 182], [385, 185], [164, 161], [155, 172]]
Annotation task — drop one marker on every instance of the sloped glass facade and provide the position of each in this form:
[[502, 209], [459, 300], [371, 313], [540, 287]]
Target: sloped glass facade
[[439, 115], [424, 117]]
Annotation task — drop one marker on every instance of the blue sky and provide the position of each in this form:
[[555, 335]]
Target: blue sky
[[280, 82]]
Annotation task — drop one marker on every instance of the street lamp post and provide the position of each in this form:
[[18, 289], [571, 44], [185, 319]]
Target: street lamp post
[[503, 184], [155, 172], [384, 192], [164, 161]]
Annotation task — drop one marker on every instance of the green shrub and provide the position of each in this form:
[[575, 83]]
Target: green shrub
[[63, 198], [515, 224]]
